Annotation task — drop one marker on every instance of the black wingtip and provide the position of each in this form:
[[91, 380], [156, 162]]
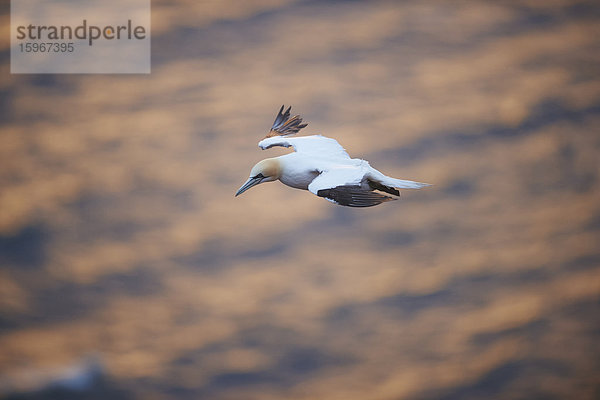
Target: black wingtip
[[388, 189], [284, 125], [354, 196]]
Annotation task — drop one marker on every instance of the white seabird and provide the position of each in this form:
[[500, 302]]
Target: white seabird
[[319, 164]]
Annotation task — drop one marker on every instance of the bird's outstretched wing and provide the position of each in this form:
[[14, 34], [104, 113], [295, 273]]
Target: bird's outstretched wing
[[284, 125], [343, 186], [314, 145]]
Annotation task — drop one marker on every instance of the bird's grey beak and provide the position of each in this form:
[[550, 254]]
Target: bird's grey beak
[[249, 183]]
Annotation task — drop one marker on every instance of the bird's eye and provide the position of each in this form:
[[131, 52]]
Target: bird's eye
[[258, 176]]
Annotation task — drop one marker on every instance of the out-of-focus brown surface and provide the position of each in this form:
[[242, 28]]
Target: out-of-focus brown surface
[[125, 256]]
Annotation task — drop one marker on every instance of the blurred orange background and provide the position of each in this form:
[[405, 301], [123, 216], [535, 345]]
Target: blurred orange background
[[130, 271]]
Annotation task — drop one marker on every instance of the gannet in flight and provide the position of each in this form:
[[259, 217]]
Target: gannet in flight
[[319, 164]]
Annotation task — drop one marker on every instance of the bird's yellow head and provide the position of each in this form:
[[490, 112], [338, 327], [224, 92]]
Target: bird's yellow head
[[267, 170]]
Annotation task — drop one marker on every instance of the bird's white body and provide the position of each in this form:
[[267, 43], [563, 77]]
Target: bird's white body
[[320, 165], [297, 171]]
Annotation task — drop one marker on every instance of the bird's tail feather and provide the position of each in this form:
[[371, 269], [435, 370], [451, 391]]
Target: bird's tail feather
[[398, 183], [404, 184]]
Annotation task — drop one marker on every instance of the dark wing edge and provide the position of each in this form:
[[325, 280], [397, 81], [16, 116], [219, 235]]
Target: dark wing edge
[[353, 196], [388, 189], [284, 125]]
